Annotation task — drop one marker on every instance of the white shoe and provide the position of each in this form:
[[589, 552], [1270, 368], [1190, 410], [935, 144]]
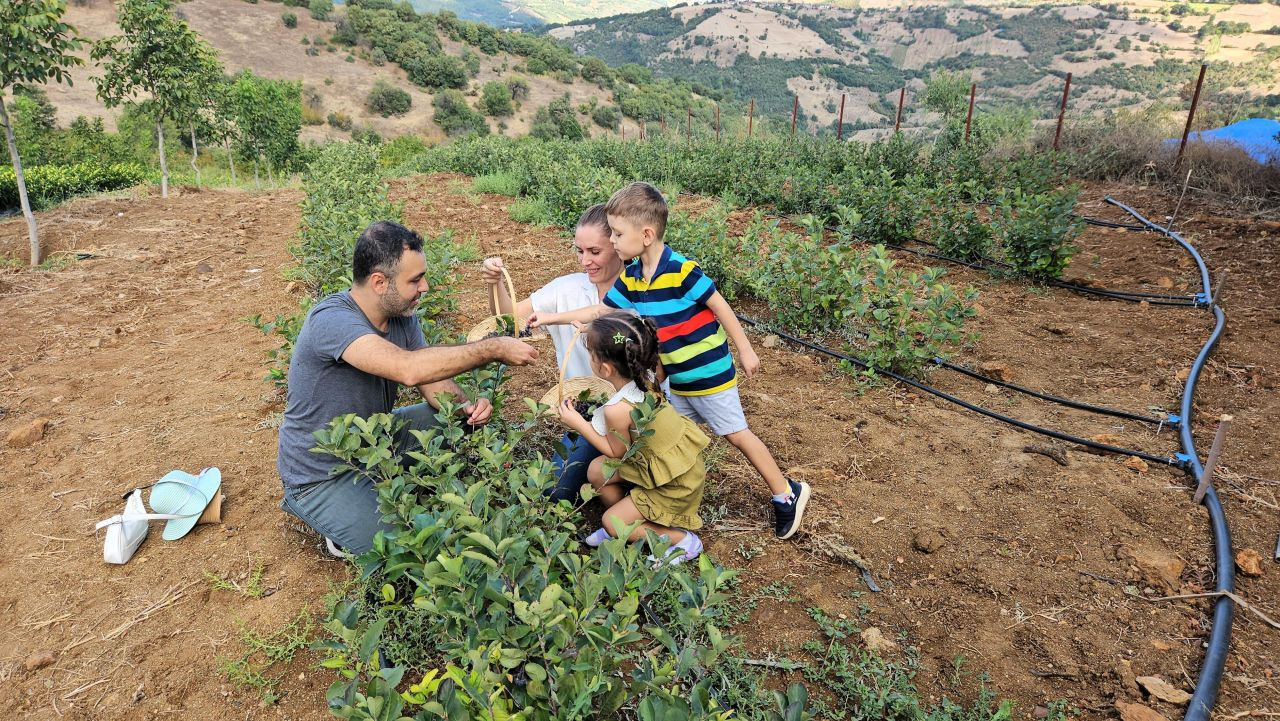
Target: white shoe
[[686, 549], [334, 549]]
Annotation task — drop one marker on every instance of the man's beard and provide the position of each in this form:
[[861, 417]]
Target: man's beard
[[394, 304]]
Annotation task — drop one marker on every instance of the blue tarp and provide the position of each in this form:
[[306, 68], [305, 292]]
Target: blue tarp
[[1256, 136]]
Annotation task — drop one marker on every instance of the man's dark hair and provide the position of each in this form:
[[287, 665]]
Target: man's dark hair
[[379, 249], [594, 217]]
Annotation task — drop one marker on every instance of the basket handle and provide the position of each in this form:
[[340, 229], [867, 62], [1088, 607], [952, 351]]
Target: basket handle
[[573, 341], [497, 306]]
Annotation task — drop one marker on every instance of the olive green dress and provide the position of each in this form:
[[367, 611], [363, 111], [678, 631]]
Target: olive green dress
[[667, 471]]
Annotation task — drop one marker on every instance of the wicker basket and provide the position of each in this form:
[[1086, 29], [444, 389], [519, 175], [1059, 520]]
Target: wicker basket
[[570, 388], [490, 325]]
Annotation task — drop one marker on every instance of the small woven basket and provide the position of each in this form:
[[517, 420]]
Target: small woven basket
[[493, 323], [572, 387]]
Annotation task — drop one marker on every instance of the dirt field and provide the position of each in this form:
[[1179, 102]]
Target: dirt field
[[140, 361]]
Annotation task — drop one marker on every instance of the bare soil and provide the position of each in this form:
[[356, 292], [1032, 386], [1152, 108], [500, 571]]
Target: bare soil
[[139, 359]]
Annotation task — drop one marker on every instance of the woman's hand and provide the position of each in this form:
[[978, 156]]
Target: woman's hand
[[491, 270]]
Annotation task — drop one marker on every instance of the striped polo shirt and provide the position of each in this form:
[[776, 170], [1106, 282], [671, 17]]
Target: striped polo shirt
[[691, 344]]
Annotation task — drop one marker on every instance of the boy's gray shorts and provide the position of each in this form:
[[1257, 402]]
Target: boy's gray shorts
[[721, 410]]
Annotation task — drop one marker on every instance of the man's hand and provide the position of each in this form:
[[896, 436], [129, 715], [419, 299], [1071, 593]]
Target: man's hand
[[514, 352], [478, 413], [750, 361], [491, 270]]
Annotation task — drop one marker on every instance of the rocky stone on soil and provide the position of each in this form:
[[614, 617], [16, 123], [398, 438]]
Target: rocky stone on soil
[[38, 660], [928, 541], [1153, 567], [1165, 282], [1138, 712], [28, 434], [1163, 690], [204, 268], [771, 341], [1249, 562], [996, 369], [1135, 464], [875, 641], [1124, 674], [992, 389]]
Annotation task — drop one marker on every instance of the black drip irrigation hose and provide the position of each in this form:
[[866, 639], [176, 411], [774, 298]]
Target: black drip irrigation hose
[[1105, 447], [1215, 656], [1172, 421]]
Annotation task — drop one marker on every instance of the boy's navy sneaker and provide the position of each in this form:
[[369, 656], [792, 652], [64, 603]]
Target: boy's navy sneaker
[[787, 516]]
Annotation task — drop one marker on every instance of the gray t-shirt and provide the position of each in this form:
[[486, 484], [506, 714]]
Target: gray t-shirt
[[322, 386]]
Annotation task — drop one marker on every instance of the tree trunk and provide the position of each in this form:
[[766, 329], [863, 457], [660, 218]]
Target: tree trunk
[[256, 182], [271, 176], [164, 164], [32, 233], [195, 154], [231, 159]]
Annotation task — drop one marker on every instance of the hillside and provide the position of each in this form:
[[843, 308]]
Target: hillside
[[1121, 54], [337, 77]]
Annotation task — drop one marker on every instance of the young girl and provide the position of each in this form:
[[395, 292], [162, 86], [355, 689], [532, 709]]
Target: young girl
[[661, 484]]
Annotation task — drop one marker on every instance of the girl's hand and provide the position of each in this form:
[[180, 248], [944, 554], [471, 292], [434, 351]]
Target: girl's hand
[[570, 415]]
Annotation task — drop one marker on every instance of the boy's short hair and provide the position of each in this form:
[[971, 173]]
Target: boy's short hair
[[642, 204], [594, 217]]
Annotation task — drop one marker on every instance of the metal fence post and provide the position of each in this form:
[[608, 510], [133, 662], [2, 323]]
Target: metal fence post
[[1195, 100], [1062, 111], [968, 119], [840, 120]]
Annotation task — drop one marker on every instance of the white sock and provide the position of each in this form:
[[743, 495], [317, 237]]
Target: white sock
[[787, 497], [597, 537]]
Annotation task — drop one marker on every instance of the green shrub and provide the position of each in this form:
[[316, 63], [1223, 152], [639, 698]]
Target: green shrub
[[1034, 231], [386, 100], [557, 120], [497, 183], [399, 149], [48, 185], [366, 134], [904, 320], [341, 121], [436, 71], [290, 20], [956, 230], [496, 99], [455, 117], [320, 9], [606, 116]]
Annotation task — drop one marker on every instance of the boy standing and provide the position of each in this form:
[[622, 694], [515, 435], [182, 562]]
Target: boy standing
[[695, 324]]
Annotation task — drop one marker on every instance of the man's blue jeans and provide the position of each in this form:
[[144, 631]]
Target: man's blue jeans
[[345, 508], [571, 472]]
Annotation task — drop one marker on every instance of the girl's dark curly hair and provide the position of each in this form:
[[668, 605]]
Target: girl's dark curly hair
[[630, 344]]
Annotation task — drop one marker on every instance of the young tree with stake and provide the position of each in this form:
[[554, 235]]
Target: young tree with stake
[[159, 55], [35, 46]]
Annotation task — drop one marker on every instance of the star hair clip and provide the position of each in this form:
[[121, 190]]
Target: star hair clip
[[619, 339]]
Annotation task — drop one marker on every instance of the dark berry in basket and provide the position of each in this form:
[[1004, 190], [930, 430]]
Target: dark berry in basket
[[527, 332]]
